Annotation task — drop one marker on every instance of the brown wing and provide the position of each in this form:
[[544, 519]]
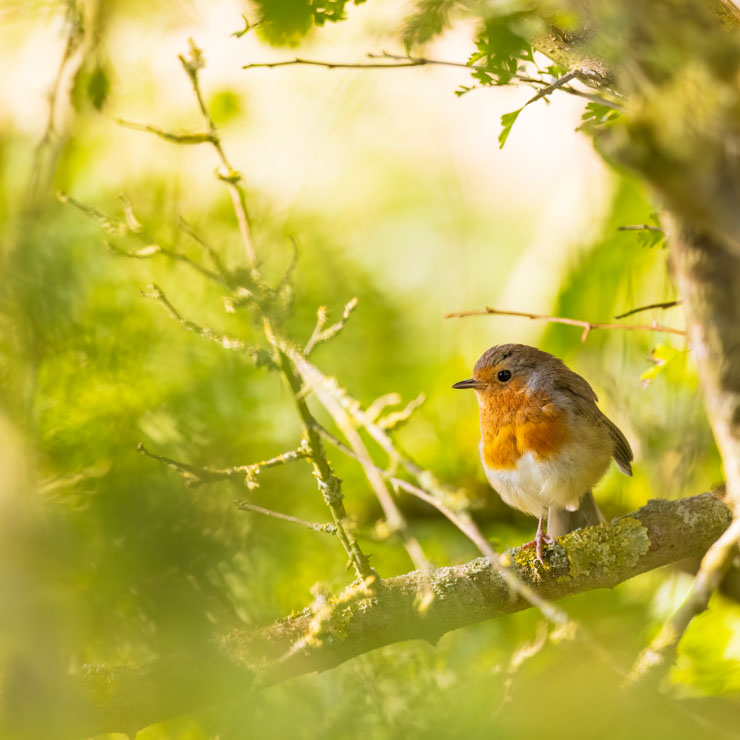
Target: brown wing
[[622, 449], [585, 398]]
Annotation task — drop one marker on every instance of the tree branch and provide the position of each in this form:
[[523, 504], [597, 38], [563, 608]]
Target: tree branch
[[697, 178], [397, 61], [587, 326], [361, 620]]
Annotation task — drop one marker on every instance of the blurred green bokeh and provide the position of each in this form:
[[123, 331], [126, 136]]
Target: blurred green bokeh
[[394, 194]]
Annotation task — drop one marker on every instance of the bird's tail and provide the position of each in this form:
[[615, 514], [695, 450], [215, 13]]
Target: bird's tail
[[562, 521]]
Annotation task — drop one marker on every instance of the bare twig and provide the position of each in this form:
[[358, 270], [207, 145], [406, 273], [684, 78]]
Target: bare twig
[[396, 61], [587, 326], [552, 87], [329, 485], [641, 227], [155, 293], [212, 253], [228, 174], [246, 474], [131, 226], [322, 335], [151, 250], [655, 660], [395, 520], [666, 304], [315, 526], [469, 528], [113, 226], [75, 38], [520, 656], [394, 419], [343, 65], [285, 279], [183, 137]]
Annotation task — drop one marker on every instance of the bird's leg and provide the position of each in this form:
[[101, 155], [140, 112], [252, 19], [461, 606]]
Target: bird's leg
[[540, 539]]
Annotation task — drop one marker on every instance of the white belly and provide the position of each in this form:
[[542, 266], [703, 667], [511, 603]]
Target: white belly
[[534, 484]]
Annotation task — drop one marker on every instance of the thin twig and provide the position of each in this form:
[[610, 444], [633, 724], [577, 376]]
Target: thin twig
[[75, 37], [241, 473], [322, 335], [155, 293], [400, 62], [521, 655], [587, 326], [394, 419], [229, 175], [394, 518], [118, 228], [641, 227], [341, 65], [467, 526], [329, 485], [246, 474], [315, 526], [655, 660], [285, 279], [552, 87], [183, 137], [666, 304], [212, 253], [151, 250]]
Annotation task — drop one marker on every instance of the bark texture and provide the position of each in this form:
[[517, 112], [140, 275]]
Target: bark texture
[[365, 618]]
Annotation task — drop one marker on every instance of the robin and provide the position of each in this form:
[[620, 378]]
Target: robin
[[544, 442]]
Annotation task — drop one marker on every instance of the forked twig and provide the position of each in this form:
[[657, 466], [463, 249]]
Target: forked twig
[[587, 326], [246, 474], [655, 660], [397, 61]]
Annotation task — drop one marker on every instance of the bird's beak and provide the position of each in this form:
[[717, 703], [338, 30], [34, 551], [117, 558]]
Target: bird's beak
[[469, 383]]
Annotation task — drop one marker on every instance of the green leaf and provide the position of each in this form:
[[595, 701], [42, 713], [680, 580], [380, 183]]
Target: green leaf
[[597, 114], [285, 22], [555, 70], [91, 87], [661, 356], [507, 121], [649, 238], [501, 46], [430, 19]]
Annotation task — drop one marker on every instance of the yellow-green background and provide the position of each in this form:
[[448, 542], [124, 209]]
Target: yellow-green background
[[396, 193]]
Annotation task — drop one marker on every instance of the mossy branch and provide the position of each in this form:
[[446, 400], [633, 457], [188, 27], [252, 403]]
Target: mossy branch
[[365, 618]]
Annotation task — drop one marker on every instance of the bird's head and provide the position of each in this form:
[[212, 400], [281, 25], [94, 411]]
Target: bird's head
[[510, 367]]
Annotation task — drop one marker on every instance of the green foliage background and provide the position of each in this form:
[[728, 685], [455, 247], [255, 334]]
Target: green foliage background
[[108, 556]]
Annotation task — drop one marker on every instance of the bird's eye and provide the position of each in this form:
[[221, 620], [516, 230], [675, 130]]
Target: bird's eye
[[504, 375]]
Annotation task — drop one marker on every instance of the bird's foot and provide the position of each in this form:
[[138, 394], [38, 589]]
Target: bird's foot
[[541, 539]]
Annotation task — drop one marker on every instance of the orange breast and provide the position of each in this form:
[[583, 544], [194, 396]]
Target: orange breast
[[516, 422]]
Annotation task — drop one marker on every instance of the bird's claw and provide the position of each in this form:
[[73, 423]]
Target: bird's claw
[[541, 539]]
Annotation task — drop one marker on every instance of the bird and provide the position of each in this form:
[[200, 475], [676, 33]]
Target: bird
[[544, 441]]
